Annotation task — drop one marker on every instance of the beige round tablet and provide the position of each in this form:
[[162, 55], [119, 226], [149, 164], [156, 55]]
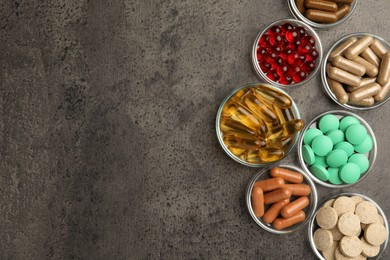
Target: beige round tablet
[[339, 256], [326, 217], [363, 225], [343, 205], [379, 219], [357, 199], [350, 246], [329, 203], [323, 239], [367, 212], [337, 235], [375, 234], [369, 250], [329, 253], [349, 224], [359, 257]]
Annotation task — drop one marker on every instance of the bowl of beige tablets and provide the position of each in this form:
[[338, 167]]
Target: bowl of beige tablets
[[349, 226], [356, 72]]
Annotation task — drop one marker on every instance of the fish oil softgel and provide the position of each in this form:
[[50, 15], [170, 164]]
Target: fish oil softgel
[[258, 124]]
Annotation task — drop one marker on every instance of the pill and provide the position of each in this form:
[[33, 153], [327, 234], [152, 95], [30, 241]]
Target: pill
[[228, 124], [241, 114], [366, 91], [300, 5], [286, 175], [321, 5], [344, 77], [368, 249], [319, 172], [270, 184], [236, 142], [258, 201], [364, 82], [310, 134], [343, 205], [367, 212], [370, 56], [365, 102], [350, 173], [237, 151], [336, 158], [349, 224], [375, 234], [308, 154], [356, 134], [251, 156], [277, 195], [320, 160], [322, 145], [282, 223], [347, 121], [383, 93], [298, 189], [283, 131], [371, 69], [341, 48], [294, 207], [338, 90], [349, 66], [274, 97], [337, 136], [329, 253], [343, 1], [334, 176], [272, 213], [378, 48], [358, 47], [347, 147], [384, 70], [270, 154], [283, 115], [323, 239], [360, 160], [350, 246], [357, 199], [327, 217], [259, 109], [321, 16], [328, 123], [342, 11]]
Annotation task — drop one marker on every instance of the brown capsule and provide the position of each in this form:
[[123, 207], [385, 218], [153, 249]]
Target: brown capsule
[[384, 70], [371, 69], [321, 16], [378, 48], [349, 66], [366, 102], [282, 223], [364, 82], [321, 5], [370, 56], [277, 195], [298, 189], [258, 201], [344, 77], [367, 91], [272, 213], [342, 11], [338, 90], [341, 48], [294, 207], [300, 5], [355, 49], [270, 184], [286, 175], [383, 93]]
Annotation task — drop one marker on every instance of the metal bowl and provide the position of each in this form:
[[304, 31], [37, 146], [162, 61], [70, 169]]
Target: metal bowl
[[325, 82], [309, 31], [313, 224], [313, 197], [319, 26], [340, 114]]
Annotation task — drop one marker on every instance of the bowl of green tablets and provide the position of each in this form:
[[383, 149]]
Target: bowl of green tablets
[[337, 148]]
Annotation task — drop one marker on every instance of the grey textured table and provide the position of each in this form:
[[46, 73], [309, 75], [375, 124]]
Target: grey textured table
[[108, 144]]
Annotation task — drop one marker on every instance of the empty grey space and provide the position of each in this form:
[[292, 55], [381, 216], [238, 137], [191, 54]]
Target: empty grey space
[[108, 146]]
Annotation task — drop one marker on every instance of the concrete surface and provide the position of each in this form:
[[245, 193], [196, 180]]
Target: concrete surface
[[108, 144]]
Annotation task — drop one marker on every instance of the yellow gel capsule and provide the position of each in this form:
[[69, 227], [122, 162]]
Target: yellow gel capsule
[[259, 109], [237, 97], [283, 131], [241, 114], [237, 151], [235, 142], [274, 97], [283, 115], [228, 124], [270, 154], [281, 144]]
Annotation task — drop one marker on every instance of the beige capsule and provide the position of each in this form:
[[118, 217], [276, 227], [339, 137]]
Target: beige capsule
[[349, 66], [301, 5], [368, 90], [370, 56], [320, 16], [355, 49], [364, 82], [343, 1], [341, 48], [378, 48], [384, 69], [344, 77], [321, 5], [366, 102], [371, 69], [383, 93], [342, 11], [338, 90]]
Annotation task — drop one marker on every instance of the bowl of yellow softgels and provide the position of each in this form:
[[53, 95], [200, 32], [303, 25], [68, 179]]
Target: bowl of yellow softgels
[[258, 124]]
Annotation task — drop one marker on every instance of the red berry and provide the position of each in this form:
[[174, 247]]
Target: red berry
[[292, 57], [286, 27], [309, 40], [263, 42], [285, 80], [308, 66], [275, 39], [272, 75], [291, 35], [264, 66], [282, 69], [301, 30], [304, 48]]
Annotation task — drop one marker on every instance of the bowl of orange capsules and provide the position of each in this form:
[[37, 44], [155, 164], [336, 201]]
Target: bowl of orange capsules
[[258, 124]]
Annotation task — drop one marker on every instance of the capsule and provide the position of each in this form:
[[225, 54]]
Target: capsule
[[283, 131], [229, 125], [344, 77], [343, 1], [349, 66], [364, 82], [321, 5], [271, 154], [294, 207], [281, 144], [259, 109], [341, 48], [283, 115], [355, 49], [258, 201], [251, 156], [237, 151], [282, 223], [383, 93], [378, 48], [270, 184], [366, 102], [272, 213], [277, 195], [338, 90], [248, 144], [241, 114], [384, 70], [370, 56], [298, 189], [286, 175], [371, 69], [366, 91], [321, 16], [274, 97], [300, 6], [342, 11]]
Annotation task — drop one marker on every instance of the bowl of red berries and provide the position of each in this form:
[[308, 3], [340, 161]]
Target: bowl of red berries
[[287, 53]]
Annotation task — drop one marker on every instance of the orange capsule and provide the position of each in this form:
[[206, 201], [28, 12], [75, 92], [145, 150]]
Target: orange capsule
[[286, 175], [258, 201], [294, 207], [298, 189], [274, 211], [282, 223], [270, 184], [277, 195]]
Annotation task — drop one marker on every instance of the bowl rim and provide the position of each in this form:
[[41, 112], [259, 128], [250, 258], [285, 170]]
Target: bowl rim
[[319, 48], [325, 84], [319, 26], [311, 222], [344, 113], [219, 132], [313, 199]]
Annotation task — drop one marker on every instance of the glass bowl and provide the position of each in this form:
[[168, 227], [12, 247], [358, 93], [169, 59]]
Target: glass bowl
[[309, 31], [320, 26], [294, 110], [340, 114], [313, 197], [313, 224], [325, 82]]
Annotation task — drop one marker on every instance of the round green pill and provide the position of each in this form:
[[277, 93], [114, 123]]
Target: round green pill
[[365, 146], [322, 145], [349, 173], [328, 123], [334, 176], [347, 121], [347, 147], [336, 158], [320, 172], [360, 160], [308, 154], [310, 134], [321, 160], [337, 136], [356, 134]]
